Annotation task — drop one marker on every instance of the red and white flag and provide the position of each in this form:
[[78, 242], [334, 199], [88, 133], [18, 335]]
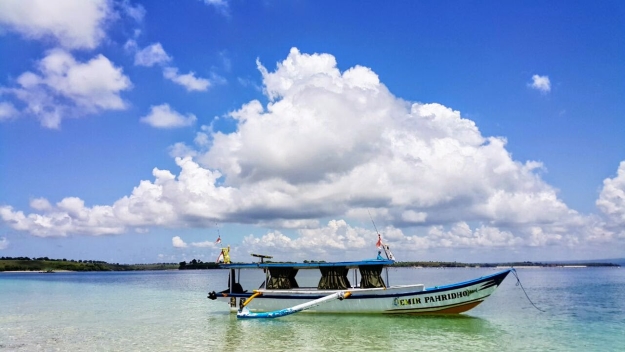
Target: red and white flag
[[379, 244], [218, 239], [220, 258]]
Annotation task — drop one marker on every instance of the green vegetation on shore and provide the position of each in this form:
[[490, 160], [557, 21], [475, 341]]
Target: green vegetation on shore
[[197, 264], [46, 264]]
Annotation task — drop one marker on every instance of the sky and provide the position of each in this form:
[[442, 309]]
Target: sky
[[470, 131]]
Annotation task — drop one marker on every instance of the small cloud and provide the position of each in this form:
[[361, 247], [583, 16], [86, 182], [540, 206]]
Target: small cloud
[[162, 116], [135, 12], [131, 45], [7, 111], [205, 244], [189, 81], [219, 5], [150, 55], [414, 217], [4, 243], [65, 87], [541, 83], [40, 204], [178, 242]]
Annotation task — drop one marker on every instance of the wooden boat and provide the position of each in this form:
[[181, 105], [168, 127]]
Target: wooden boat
[[279, 294]]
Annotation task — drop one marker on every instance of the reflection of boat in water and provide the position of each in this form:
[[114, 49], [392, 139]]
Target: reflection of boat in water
[[368, 292]]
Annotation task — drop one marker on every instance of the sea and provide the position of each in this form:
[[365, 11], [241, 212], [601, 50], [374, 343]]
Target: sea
[[552, 309]]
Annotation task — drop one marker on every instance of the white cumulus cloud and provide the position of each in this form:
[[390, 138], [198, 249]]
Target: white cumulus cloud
[[334, 144], [541, 83], [151, 55], [74, 24], [162, 116], [154, 54], [189, 81], [66, 88], [178, 242]]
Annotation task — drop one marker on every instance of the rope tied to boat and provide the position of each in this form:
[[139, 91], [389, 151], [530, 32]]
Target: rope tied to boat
[[518, 283]]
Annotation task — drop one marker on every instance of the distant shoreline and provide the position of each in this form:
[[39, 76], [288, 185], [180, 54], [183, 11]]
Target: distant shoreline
[[38, 271], [45, 265], [409, 267]]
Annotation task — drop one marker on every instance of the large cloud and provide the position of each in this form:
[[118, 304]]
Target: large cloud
[[72, 23], [64, 87], [334, 144], [329, 142]]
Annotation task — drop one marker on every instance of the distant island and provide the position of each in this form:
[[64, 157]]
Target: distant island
[[45, 264]]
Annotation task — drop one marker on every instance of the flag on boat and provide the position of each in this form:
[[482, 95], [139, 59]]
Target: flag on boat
[[220, 258], [379, 243], [218, 239]]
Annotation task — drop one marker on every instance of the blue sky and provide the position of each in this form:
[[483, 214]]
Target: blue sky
[[137, 131]]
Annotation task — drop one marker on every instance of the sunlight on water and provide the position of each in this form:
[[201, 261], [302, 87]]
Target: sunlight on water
[[169, 311]]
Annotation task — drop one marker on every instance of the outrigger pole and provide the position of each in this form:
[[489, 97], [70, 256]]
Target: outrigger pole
[[246, 314]]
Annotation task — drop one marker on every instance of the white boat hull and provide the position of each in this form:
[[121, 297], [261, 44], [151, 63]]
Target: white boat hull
[[411, 299]]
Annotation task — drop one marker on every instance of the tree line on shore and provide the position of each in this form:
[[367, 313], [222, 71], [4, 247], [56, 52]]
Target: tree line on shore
[[197, 264], [46, 264]]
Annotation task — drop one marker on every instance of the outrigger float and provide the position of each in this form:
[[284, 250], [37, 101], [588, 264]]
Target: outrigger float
[[280, 295]]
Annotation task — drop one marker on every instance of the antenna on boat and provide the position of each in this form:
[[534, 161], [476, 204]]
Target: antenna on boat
[[387, 249], [373, 222]]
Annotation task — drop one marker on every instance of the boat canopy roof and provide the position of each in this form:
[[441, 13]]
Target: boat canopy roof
[[313, 265]]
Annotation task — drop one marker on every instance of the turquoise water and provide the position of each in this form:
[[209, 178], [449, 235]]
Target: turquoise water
[[169, 311]]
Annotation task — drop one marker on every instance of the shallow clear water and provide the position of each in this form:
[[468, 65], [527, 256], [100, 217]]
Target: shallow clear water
[[169, 311]]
